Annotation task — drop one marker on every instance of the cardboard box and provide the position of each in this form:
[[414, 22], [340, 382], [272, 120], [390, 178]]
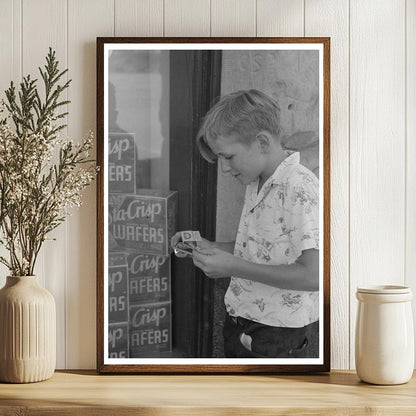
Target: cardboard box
[[114, 202], [117, 258], [118, 307], [118, 337], [150, 329], [121, 163], [144, 223], [149, 278]]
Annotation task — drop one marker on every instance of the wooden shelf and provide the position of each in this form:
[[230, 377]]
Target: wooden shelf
[[86, 393]]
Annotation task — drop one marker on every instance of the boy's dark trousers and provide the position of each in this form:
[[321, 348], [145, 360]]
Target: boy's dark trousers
[[269, 341]]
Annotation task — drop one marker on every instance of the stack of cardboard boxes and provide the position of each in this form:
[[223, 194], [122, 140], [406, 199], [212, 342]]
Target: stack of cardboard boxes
[[141, 223]]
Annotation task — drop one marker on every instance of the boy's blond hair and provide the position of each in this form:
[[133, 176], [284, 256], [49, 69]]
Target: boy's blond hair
[[244, 113]]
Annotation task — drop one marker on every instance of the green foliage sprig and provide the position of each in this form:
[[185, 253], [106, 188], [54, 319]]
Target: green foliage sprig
[[41, 175]]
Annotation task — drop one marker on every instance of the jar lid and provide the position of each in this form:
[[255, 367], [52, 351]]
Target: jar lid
[[384, 289]]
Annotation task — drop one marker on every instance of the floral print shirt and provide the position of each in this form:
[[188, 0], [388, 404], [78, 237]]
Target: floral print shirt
[[276, 225]]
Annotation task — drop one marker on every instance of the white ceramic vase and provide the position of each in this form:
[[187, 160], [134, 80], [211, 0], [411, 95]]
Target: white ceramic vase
[[27, 331], [384, 340]]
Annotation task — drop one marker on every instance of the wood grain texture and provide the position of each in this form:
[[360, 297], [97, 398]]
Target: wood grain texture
[[81, 393], [187, 18], [138, 17], [330, 18], [233, 18], [37, 38], [85, 20], [280, 18], [377, 152], [410, 264], [100, 201]]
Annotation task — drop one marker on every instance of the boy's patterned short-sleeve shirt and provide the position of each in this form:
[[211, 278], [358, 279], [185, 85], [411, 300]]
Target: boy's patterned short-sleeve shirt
[[276, 225]]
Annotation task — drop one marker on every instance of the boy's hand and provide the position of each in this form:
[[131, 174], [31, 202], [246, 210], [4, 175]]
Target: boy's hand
[[215, 263], [175, 239], [204, 245]]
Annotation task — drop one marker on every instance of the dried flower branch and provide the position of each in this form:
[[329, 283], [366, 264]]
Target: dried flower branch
[[36, 193]]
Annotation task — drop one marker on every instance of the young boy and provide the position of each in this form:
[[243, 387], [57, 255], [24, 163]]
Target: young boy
[[273, 297]]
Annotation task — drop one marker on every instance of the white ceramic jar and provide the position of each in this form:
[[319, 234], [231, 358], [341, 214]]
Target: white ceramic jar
[[27, 331], [384, 337]]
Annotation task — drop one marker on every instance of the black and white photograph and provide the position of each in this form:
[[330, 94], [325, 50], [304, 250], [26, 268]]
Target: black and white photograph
[[213, 205]]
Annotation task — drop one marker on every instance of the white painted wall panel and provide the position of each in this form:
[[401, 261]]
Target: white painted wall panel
[[187, 18], [330, 18], [377, 152], [10, 43], [44, 25], [139, 18], [280, 18], [411, 150], [10, 66], [86, 21], [233, 18]]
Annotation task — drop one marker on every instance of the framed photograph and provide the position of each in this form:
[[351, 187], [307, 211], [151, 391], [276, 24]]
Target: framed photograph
[[213, 216]]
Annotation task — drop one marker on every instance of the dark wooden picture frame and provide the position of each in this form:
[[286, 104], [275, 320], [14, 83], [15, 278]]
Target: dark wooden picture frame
[[196, 75]]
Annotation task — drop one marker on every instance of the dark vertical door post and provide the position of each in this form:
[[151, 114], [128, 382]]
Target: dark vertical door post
[[195, 79]]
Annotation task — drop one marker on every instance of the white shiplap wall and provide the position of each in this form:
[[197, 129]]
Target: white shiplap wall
[[373, 132]]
